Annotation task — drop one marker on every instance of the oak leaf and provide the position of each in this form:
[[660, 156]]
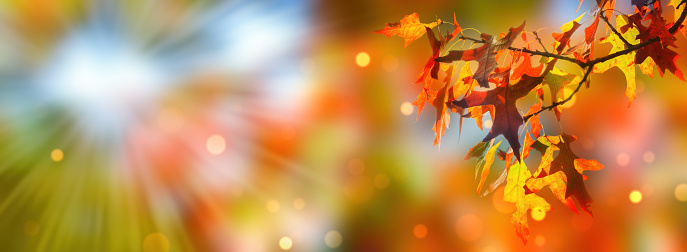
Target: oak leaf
[[488, 160], [515, 193], [524, 63], [440, 101], [677, 12], [485, 55], [626, 62], [507, 119], [410, 28], [432, 67], [556, 80], [570, 164], [664, 57], [535, 126], [563, 39]]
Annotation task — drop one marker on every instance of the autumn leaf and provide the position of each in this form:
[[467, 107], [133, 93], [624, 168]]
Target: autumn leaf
[[456, 28], [485, 55], [677, 12], [478, 112], [524, 63], [439, 102], [432, 67], [557, 185], [506, 156], [647, 67], [579, 5], [589, 36], [664, 57], [515, 193], [478, 151], [464, 84], [525, 67], [507, 119], [606, 6], [626, 62], [421, 100], [557, 181], [560, 169], [527, 146], [535, 126], [570, 164], [557, 80], [488, 160], [410, 28], [463, 87], [563, 39]]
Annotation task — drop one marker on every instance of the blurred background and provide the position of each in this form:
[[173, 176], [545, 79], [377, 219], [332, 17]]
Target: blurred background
[[179, 125]]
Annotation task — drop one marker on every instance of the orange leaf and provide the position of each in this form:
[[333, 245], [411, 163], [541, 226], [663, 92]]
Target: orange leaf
[[515, 193], [489, 159], [439, 102], [410, 28], [485, 55]]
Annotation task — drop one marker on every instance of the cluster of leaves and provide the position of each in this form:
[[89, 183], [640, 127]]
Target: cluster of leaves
[[495, 87]]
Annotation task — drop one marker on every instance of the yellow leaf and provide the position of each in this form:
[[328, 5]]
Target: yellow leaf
[[487, 165], [515, 193], [626, 62]]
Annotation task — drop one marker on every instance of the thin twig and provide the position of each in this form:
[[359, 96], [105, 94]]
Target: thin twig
[[546, 54], [531, 52], [589, 65], [558, 103], [536, 35], [619, 53], [603, 16], [473, 39]]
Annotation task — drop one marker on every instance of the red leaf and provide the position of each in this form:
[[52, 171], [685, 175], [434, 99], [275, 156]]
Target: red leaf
[[409, 28], [664, 57], [507, 119], [563, 39], [525, 67], [485, 55], [432, 67], [570, 164]]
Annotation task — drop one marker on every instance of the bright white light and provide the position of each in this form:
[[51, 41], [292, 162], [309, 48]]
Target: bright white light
[[103, 84], [254, 43]]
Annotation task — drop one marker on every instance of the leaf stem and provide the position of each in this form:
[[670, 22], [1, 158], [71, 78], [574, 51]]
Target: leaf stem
[[531, 52], [603, 16], [536, 35], [589, 65], [546, 54], [553, 105]]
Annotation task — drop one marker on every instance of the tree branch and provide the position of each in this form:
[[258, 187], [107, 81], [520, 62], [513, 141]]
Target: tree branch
[[619, 53], [603, 16], [536, 35], [546, 54], [679, 21], [531, 52], [473, 39], [589, 65], [555, 104]]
